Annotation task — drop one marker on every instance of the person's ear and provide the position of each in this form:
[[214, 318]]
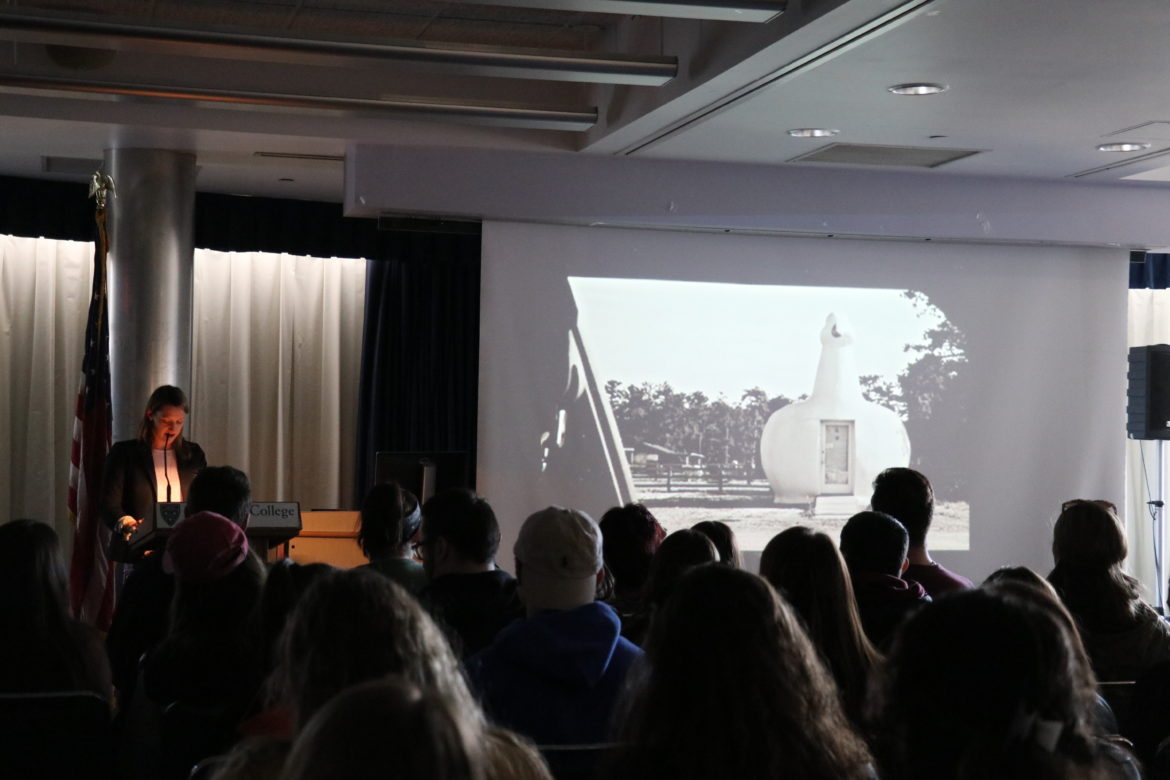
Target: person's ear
[[905, 565], [600, 575]]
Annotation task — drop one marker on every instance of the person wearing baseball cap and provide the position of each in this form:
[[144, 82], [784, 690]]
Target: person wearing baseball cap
[[556, 676]]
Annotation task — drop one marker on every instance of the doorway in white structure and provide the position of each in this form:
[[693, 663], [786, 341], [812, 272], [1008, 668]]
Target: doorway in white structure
[[837, 457]]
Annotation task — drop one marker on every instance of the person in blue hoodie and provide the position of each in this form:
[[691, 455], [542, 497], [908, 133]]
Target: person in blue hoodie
[[557, 675]]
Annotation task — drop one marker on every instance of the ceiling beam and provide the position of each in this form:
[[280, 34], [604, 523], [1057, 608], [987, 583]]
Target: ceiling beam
[[758, 11], [514, 115], [461, 60]]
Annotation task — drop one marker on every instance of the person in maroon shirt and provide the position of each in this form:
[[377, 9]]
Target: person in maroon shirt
[[906, 494]]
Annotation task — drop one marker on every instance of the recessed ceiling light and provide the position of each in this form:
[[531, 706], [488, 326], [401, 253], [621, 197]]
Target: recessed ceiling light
[[918, 89], [1125, 146], [813, 132]]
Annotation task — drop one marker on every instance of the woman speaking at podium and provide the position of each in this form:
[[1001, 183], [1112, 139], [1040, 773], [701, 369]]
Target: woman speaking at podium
[[157, 466]]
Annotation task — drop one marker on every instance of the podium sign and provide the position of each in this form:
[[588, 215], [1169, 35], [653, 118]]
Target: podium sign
[[279, 520]]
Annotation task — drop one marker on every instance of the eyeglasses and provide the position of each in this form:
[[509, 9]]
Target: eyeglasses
[[1097, 502]]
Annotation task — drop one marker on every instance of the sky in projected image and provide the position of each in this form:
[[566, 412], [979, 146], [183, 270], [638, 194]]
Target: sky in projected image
[[723, 339]]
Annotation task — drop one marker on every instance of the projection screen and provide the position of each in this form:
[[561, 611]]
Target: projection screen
[[765, 380]]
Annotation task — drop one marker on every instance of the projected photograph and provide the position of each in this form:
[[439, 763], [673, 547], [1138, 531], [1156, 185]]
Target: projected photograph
[[767, 406]]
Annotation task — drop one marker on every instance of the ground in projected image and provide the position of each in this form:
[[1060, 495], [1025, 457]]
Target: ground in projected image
[[771, 406]]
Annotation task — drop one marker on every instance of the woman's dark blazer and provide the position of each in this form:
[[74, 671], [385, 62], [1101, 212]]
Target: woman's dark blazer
[[128, 478]]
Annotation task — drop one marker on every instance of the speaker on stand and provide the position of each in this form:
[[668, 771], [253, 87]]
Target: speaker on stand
[[1147, 414]]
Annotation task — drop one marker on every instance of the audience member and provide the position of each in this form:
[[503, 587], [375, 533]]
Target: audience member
[[390, 727], [987, 683], [630, 537], [470, 597], [1123, 635], [356, 625], [390, 518], [874, 547], [806, 569], [734, 689], [42, 648], [140, 618], [286, 582], [678, 553], [509, 756], [556, 676], [907, 495], [723, 538], [208, 668]]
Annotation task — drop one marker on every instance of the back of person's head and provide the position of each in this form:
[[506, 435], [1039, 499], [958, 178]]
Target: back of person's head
[[765, 708], [630, 537], [558, 557], [907, 495], [390, 516], [806, 568], [1088, 547], [678, 553], [467, 523], [286, 582], [218, 582], [874, 542], [1017, 695], [723, 538], [388, 728], [32, 575], [356, 625], [508, 756], [224, 490]]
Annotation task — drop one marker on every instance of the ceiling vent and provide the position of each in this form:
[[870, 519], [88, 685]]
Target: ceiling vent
[[888, 156], [70, 166]]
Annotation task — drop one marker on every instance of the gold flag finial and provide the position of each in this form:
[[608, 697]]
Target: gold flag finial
[[100, 187]]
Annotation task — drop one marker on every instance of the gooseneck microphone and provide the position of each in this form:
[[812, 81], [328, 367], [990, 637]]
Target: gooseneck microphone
[[166, 469]]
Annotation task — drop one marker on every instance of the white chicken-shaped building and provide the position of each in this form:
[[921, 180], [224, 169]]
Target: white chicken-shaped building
[[829, 447]]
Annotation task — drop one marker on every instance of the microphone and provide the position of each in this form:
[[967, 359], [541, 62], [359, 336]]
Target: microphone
[[166, 471]]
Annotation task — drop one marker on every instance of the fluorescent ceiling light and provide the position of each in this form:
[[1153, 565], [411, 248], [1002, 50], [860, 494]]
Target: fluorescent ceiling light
[[813, 132], [1125, 146], [922, 88]]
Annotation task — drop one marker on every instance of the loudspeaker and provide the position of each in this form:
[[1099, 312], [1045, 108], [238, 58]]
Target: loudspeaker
[[1148, 408]]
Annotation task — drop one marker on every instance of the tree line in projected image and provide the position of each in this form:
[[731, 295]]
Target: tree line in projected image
[[928, 395]]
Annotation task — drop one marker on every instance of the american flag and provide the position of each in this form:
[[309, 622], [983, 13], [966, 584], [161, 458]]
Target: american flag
[[91, 573]]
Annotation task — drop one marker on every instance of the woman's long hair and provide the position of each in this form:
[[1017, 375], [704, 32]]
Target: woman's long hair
[[987, 683], [165, 395], [734, 688], [1089, 546], [356, 625], [35, 625], [807, 569]]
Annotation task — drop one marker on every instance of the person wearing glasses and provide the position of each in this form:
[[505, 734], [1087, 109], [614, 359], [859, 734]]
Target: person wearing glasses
[[469, 596], [1123, 634]]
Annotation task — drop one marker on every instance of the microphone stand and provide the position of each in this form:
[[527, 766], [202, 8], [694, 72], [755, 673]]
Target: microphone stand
[[166, 469]]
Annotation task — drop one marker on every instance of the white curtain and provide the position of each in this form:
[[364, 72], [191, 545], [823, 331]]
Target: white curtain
[[1149, 323], [44, 300], [277, 353]]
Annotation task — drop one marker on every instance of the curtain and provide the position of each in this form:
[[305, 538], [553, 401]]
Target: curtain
[[420, 358], [1149, 323], [44, 295], [276, 350]]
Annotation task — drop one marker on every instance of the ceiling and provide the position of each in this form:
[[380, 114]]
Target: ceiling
[[272, 94]]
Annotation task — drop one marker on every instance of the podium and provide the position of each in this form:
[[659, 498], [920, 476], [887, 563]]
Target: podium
[[270, 523]]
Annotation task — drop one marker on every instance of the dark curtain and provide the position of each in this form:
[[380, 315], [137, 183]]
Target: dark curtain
[[34, 208], [420, 350], [420, 356], [1149, 271]]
